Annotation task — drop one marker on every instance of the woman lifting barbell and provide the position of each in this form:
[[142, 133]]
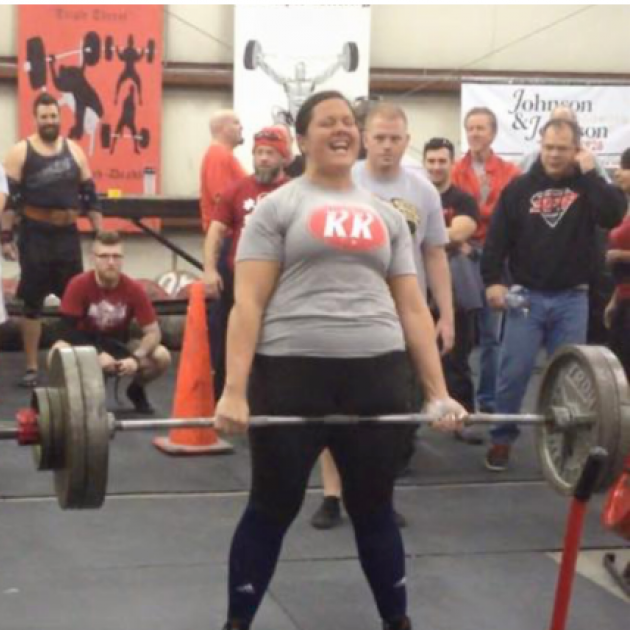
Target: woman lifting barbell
[[325, 302]]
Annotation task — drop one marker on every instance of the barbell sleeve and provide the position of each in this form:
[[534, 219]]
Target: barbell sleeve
[[8, 432]]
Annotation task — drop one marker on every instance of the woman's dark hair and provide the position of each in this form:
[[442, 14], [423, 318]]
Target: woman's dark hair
[[625, 160], [305, 115]]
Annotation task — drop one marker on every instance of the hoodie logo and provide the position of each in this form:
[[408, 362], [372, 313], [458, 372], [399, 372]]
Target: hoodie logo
[[552, 204]]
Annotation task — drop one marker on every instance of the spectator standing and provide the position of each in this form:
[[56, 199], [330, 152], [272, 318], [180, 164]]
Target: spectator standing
[[461, 215], [544, 228], [234, 209], [220, 167], [617, 314], [219, 170], [386, 138], [483, 174], [50, 183]]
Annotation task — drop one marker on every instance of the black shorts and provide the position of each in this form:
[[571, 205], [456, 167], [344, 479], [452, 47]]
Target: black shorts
[[50, 257], [368, 457]]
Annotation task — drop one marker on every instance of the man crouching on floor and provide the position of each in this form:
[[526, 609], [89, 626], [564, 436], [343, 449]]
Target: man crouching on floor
[[97, 310]]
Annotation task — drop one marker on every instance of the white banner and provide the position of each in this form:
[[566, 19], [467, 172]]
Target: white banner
[[603, 114], [282, 54]]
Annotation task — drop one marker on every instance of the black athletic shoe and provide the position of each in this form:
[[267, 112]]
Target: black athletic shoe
[[138, 397], [328, 515], [29, 380], [403, 623]]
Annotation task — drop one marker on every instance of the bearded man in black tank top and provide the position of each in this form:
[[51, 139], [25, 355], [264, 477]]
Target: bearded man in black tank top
[[50, 184]]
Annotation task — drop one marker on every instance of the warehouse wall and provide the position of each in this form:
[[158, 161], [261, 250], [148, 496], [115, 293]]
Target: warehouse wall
[[505, 38]]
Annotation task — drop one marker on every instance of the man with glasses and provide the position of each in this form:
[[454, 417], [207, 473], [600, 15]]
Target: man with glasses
[[544, 229], [270, 152], [97, 310]]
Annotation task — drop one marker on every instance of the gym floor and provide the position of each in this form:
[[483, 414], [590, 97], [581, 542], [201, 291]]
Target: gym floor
[[482, 549]]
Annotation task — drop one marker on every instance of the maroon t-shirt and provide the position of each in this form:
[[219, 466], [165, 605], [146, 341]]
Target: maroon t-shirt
[[619, 238], [106, 311], [238, 202]]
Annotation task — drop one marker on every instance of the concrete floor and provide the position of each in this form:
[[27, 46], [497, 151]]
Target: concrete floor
[[481, 549]]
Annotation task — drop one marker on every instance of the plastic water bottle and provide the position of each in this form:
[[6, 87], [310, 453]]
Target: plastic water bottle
[[516, 299]]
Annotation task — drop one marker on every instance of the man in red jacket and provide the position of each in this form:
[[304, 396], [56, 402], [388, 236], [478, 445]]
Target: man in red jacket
[[484, 175]]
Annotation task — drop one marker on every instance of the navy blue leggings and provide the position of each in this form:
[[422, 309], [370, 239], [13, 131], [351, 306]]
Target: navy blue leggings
[[368, 459]]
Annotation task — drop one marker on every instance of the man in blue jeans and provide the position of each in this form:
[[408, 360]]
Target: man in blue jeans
[[544, 227]]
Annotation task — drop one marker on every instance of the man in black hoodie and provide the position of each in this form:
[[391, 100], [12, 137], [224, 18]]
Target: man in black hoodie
[[544, 227]]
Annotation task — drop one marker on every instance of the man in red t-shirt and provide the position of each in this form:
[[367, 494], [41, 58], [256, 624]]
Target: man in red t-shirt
[[220, 168], [97, 310], [270, 153]]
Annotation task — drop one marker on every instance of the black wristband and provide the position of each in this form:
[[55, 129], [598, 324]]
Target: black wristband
[[6, 237]]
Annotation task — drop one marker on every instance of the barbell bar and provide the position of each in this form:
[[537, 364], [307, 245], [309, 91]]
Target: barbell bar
[[583, 402], [413, 419]]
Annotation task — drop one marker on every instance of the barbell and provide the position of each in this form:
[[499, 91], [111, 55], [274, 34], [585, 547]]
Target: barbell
[[89, 52], [583, 402], [144, 137], [110, 49]]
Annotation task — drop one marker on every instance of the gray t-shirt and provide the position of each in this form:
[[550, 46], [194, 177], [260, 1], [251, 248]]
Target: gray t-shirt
[[336, 249], [417, 199]]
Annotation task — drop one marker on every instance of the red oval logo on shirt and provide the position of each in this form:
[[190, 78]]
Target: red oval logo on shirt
[[347, 227]]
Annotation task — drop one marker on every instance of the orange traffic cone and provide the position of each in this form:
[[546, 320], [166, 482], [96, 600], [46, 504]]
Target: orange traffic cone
[[194, 392]]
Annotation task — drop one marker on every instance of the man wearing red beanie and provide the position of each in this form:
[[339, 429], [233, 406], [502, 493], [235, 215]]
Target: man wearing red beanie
[[271, 152]]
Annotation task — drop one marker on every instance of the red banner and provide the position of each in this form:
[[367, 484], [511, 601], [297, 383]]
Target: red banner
[[104, 65]]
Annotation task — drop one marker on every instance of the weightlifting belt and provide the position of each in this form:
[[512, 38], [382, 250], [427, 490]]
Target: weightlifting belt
[[59, 218]]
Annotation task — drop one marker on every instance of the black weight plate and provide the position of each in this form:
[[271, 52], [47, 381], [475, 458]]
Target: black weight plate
[[91, 48]]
